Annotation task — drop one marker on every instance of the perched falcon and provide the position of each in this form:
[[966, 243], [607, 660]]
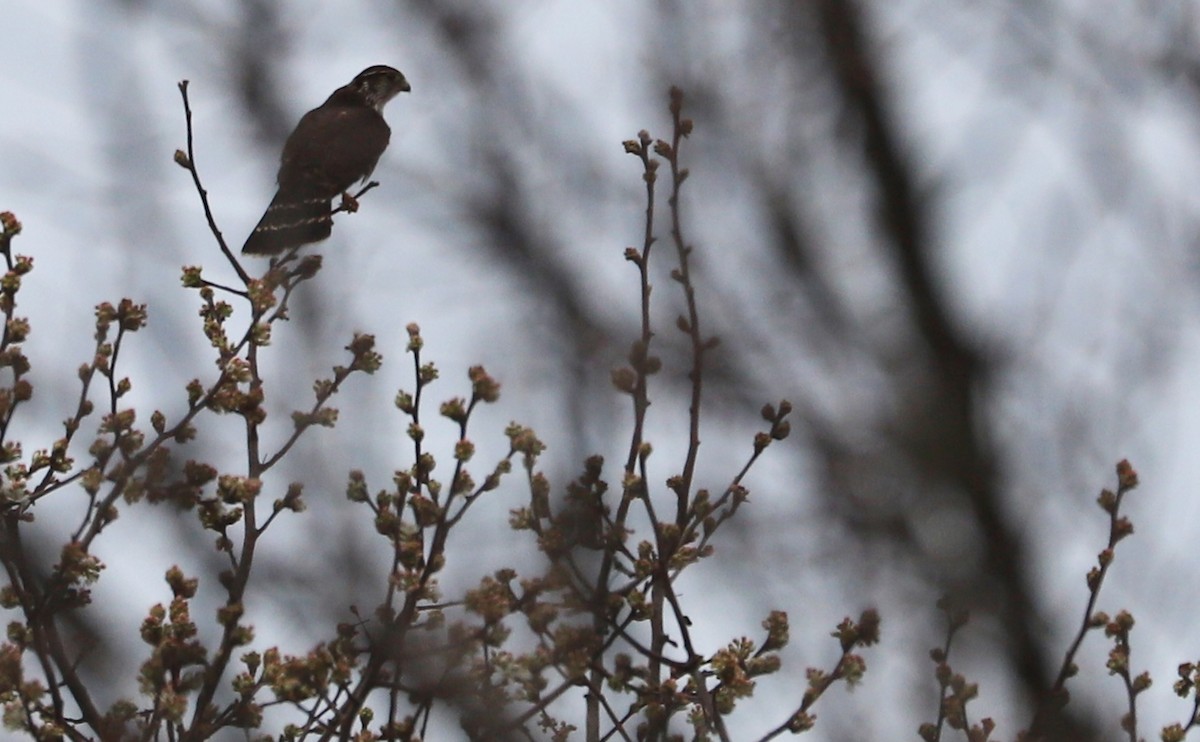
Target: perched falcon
[[333, 147]]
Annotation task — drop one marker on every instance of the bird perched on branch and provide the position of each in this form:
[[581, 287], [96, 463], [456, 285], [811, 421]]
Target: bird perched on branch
[[333, 147]]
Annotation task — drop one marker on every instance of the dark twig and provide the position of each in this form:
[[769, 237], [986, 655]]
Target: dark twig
[[188, 162], [1119, 527]]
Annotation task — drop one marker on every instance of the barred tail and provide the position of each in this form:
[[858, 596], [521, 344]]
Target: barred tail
[[292, 219]]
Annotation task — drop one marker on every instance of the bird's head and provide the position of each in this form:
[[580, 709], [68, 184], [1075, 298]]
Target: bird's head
[[379, 84]]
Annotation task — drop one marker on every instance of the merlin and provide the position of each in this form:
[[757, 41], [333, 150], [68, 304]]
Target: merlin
[[333, 147]]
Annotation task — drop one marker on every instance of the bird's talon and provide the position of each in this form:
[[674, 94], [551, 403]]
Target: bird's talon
[[349, 203]]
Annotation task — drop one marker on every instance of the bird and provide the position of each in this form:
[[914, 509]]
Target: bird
[[334, 146]]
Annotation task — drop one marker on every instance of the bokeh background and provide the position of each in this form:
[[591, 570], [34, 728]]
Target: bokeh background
[[959, 237]]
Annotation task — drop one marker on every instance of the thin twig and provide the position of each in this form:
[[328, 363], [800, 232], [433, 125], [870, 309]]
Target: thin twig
[[1118, 528], [190, 166]]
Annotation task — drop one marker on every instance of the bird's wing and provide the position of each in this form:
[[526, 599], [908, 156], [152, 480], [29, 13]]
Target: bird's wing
[[334, 147]]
